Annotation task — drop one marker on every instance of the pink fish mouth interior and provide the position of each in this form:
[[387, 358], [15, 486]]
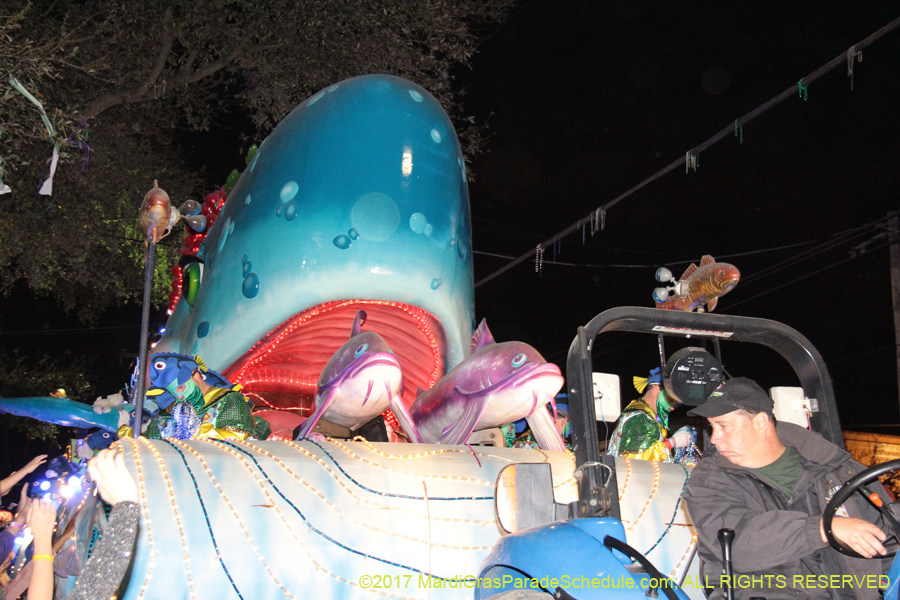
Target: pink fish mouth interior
[[281, 370]]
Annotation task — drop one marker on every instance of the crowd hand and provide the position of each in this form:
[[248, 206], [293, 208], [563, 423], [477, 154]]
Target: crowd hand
[[42, 520], [22, 509], [681, 438], [862, 536], [33, 464], [113, 480]]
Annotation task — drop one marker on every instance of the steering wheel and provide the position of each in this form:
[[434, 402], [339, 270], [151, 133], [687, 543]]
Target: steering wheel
[[858, 484]]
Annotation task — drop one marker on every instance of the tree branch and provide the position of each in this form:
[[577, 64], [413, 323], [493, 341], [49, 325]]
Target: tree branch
[[121, 96], [216, 65], [185, 77], [189, 63]]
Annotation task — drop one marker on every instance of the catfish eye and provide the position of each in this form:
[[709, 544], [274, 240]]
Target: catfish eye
[[518, 360], [361, 349], [159, 365], [190, 282]]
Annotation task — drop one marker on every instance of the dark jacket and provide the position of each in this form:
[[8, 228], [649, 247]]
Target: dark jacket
[[779, 536]]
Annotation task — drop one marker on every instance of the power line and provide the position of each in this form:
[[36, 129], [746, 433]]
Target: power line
[[664, 264], [808, 275], [692, 154], [836, 240]]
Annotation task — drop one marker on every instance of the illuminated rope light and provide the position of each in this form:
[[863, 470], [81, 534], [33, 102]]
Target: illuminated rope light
[[209, 528], [335, 508], [171, 491], [325, 535], [443, 450], [421, 454], [389, 494], [428, 512], [350, 491], [690, 548], [142, 489], [627, 477], [295, 322], [428, 475], [571, 457], [677, 505], [287, 525], [652, 494], [177, 445]]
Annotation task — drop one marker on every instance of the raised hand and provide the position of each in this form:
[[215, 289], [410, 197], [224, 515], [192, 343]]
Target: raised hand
[[113, 479]]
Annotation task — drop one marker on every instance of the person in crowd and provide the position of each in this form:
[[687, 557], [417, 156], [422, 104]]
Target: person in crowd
[[112, 554], [8, 535], [770, 483], [17, 476], [642, 431]]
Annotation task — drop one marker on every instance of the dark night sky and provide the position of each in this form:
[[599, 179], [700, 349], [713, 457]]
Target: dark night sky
[[586, 99]]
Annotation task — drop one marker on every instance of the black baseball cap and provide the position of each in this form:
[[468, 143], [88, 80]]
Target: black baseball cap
[[733, 395]]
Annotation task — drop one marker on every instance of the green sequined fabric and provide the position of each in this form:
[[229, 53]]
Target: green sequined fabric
[[639, 431], [234, 413], [152, 431]]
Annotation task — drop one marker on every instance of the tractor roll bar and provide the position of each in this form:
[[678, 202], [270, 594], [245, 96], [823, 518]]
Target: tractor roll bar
[[789, 343]]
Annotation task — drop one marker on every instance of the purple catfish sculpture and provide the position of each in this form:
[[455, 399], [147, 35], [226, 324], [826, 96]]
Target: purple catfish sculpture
[[360, 381], [496, 384]]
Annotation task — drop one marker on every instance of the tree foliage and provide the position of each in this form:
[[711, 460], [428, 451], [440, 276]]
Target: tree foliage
[[119, 81], [21, 377]]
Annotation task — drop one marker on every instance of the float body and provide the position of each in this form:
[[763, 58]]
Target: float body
[[311, 519]]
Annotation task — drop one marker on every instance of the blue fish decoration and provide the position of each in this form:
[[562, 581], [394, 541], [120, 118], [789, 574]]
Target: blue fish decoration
[[168, 367]]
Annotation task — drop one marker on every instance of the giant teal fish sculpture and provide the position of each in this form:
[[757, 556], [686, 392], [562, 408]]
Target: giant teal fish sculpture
[[361, 381], [497, 384], [356, 201]]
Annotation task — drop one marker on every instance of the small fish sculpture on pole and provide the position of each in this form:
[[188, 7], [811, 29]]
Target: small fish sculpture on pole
[[156, 216], [698, 287]]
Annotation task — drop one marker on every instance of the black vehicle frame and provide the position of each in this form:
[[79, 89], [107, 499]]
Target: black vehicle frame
[[591, 469]]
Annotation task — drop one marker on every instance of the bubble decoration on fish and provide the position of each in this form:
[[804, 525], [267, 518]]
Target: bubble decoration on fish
[[371, 212]]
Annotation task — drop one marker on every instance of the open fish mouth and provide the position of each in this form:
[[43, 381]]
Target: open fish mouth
[[282, 370]]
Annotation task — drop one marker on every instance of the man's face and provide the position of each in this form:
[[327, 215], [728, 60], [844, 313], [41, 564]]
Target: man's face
[[736, 438]]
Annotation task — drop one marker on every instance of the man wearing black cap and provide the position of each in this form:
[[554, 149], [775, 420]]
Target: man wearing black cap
[[770, 484]]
